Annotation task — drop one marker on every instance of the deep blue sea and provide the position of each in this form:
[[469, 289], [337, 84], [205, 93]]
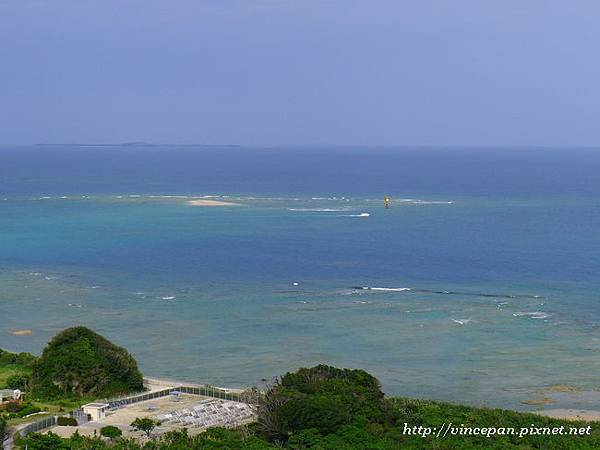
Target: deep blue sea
[[484, 273]]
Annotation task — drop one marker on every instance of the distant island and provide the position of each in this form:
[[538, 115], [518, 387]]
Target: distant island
[[133, 144]]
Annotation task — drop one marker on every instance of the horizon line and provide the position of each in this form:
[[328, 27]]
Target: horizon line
[[232, 145]]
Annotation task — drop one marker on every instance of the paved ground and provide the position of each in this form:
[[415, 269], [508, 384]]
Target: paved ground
[[121, 418]]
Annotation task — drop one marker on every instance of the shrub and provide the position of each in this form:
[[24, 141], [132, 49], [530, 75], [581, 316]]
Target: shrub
[[78, 362], [66, 421], [19, 409], [18, 381], [322, 398], [144, 424], [27, 409], [13, 406], [23, 358], [38, 441], [111, 432]]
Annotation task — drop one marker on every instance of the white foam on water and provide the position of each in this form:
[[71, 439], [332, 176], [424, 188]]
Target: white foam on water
[[168, 297], [415, 201], [347, 292], [363, 214], [431, 202], [168, 196], [318, 209], [532, 315], [386, 289], [461, 321]]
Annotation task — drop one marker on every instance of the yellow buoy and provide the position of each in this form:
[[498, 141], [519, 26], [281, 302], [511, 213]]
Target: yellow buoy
[[386, 201]]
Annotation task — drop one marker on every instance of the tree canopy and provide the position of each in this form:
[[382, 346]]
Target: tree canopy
[[111, 432], [79, 362], [144, 424], [322, 398]]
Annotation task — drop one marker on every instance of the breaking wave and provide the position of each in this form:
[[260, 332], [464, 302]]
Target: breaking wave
[[442, 292], [532, 315], [318, 209]]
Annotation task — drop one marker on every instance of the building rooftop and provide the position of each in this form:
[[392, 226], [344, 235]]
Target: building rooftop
[[95, 405]]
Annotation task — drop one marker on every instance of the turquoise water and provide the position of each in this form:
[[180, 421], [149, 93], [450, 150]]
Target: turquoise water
[[490, 295]]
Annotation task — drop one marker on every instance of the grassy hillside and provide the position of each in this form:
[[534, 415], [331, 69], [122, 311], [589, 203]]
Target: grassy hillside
[[329, 408], [12, 364], [9, 370]]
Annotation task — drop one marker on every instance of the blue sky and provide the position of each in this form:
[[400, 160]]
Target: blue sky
[[252, 72]]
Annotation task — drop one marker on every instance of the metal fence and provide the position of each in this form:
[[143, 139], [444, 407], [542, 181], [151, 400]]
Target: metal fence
[[79, 416], [210, 391], [38, 426], [124, 401]]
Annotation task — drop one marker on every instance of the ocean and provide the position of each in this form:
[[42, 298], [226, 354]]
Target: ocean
[[479, 285]]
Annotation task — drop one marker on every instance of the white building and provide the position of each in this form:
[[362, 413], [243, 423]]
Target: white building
[[96, 411], [7, 395]]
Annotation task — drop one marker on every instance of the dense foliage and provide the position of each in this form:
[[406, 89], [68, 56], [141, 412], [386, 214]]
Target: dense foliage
[[214, 438], [144, 424], [322, 398], [15, 369], [66, 421], [19, 381], [78, 362], [17, 409], [349, 437], [329, 409], [111, 432], [23, 358]]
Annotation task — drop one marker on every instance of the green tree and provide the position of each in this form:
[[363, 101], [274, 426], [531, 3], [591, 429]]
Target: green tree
[[78, 362], [144, 424], [322, 398], [18, 381], [111, 432], [23, 358], [49, 441]]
